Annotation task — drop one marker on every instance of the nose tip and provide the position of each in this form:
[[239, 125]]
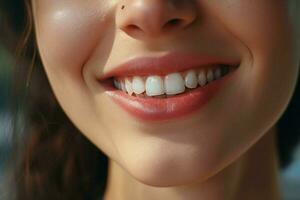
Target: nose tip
[[149, 18]]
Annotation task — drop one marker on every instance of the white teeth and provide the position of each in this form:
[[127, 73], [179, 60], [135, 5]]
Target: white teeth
[[191, 80], [174, 84], [154, 86], [171, 84], [210, 75], [123, 86], [217, 73], [138, 85], [202, 78], [128, 86]]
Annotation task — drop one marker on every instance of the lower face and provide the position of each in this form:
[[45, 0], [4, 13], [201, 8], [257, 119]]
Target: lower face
[[79, 41]]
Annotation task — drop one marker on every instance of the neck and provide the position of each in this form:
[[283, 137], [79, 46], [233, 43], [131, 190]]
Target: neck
[[252, 176]]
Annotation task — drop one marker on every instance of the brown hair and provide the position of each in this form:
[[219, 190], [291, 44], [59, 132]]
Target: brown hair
[[52, 159]]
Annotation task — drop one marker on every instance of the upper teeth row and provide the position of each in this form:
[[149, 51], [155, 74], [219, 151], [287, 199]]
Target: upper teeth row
[[171, 84]]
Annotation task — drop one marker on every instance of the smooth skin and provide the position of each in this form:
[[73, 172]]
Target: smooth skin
[[226, 150]]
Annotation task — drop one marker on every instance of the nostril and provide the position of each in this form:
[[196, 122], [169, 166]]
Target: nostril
[[173, 23]]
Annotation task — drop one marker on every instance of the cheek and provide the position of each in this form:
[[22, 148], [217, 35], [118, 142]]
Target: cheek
[[67, 35], [265, 28], [260, 25]]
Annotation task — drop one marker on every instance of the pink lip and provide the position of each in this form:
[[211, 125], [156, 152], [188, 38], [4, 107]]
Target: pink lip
[[162, 65], [160, 109]]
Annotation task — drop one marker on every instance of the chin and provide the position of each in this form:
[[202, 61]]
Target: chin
[[166, 170]]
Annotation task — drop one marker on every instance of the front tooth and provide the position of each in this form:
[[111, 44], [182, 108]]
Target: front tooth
[[154, 86], [128, 86], [174, 84], [210, 75], [202, 78], [217, 73], [191, 80], [138, 85]]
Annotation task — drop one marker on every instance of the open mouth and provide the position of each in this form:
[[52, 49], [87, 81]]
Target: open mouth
[[167, 87]]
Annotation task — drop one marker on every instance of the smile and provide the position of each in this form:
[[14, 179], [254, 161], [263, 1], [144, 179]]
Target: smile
[[168, 87], [171, 84]]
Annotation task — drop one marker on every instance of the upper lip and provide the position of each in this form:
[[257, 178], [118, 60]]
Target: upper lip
[[165, 64]]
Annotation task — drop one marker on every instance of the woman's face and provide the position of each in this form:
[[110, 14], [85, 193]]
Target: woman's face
[[80, 41]]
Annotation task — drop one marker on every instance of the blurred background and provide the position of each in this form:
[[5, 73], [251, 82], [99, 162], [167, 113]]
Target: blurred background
[[290, 177], [5, 118]]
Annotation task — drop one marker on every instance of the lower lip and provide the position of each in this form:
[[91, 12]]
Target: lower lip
[[161, 109]]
